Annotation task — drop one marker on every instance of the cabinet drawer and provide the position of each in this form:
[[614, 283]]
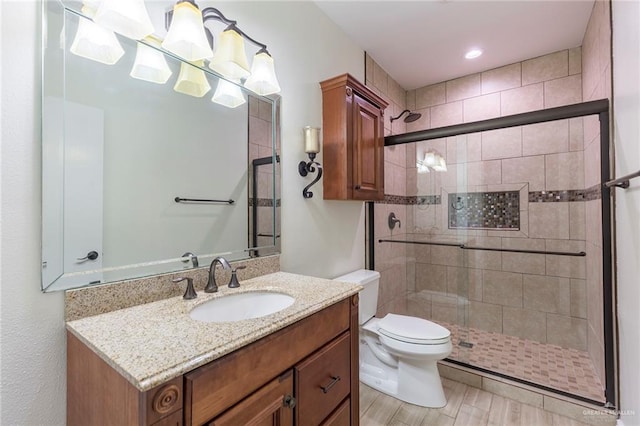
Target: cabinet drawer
[[340, 417], [323, 381]]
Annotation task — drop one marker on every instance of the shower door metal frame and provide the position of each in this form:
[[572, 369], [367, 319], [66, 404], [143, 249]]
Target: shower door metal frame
[[601, 109]]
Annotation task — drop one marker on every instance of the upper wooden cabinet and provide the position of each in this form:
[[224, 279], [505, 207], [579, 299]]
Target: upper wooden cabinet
[[352, 140]]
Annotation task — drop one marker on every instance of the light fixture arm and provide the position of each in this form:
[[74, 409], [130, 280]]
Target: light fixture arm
[[213, 14], [305, 168]]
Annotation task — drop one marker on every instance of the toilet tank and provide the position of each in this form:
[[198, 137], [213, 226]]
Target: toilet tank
[[370, 280]]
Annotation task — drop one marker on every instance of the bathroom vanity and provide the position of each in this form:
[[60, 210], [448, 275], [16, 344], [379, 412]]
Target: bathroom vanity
[[297, 365]]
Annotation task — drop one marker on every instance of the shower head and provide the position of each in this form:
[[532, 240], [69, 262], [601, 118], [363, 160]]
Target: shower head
[[410, 118]]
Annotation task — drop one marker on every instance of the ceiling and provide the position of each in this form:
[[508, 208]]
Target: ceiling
[[423, 42]]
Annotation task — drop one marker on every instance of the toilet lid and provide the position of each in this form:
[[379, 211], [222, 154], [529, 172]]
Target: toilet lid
[[412, 329]]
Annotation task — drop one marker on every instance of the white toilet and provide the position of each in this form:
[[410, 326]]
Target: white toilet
[[399, 354]]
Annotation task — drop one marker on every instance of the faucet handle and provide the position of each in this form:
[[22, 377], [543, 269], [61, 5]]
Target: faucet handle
[[233, 283], [190, 292]]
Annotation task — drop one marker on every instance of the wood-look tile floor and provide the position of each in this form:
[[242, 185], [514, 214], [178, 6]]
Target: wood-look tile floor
[[466, 406]]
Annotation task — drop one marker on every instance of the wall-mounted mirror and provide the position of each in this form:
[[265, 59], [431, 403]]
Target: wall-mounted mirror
[[127, 163]]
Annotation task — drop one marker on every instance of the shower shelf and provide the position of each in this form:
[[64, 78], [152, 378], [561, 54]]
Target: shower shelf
[[465, 247]]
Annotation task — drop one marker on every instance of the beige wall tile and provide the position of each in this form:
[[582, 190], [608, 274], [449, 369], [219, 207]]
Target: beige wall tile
[[430, 95], [484, 173], [578, 298], [566, 266], [595, 348], [490, 260], [547, 67], [549, 220], [411, 99], [419, 304], [474, 147], [368, 64], [475, 284], [524, 323], [524, 263], [463, 88], [576, 134], [446, 115], [524, 170], [593, 219], [522, 99], [431, 277], [523, 243], [481, 107], [545, 138], [450, 256], [502, 288], [577, 220], [575, 60], [444, 308], [485, 316], [397, 93], [592, 165], [457, 149], [380, 78], [563, 91], [547, 294], [567, 332], [503, 78], [564, 170]]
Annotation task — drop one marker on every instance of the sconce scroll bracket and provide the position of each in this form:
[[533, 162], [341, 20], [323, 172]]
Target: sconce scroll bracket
[[304, 168]]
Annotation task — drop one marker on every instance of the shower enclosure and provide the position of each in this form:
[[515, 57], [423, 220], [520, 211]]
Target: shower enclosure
[[507, 243]]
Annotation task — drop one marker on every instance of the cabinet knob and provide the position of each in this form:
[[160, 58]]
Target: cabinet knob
[[289, 401], [357, 187]]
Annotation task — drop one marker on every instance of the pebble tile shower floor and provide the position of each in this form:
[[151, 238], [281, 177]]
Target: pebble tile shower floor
[[568, 370]]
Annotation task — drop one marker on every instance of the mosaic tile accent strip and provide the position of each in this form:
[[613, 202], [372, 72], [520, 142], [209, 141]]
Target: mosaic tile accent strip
[[264, 202], [429, 199], [484, 210], [409, 200], [568, 370], [589, 194]]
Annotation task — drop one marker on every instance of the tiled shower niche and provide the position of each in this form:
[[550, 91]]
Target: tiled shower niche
[[484, 210]]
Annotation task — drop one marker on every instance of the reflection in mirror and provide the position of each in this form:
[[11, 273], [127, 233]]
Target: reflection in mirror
[[128, 161]]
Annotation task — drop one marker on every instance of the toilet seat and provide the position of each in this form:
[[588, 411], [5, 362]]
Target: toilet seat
[[413, 330]]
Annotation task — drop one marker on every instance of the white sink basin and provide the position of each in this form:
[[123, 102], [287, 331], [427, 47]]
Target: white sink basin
[[241, 306]]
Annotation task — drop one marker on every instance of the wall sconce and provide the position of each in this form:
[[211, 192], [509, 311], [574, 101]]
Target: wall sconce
[[311, 147], [187, 35]]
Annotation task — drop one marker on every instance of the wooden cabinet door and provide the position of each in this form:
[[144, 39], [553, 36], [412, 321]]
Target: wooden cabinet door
[[368, 146], [269, 406]]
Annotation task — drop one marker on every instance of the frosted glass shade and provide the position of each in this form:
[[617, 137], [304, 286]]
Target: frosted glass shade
[[96, 43], [441, 165], [192, 81], [150, 65], [228, 94], [263, 79], [127, 17], [186, 37], [230, 59]]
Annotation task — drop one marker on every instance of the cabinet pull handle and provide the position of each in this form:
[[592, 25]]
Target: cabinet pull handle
[[289, 401], [334, 380]]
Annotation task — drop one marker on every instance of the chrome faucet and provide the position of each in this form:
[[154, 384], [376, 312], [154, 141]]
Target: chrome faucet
[[211, 286]]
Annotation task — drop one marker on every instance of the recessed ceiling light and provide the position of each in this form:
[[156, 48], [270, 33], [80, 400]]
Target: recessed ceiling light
[[473, 53]]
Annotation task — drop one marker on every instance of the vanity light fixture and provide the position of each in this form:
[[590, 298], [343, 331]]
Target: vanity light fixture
[[192, 80], [229, 59], [186, 36], [150, 64], [311, 147], [228, 94], [95, 42], [127, 17]]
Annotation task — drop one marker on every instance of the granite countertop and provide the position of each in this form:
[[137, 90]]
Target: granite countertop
[[152, 343]]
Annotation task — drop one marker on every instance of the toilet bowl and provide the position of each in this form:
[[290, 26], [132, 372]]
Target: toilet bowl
[[399, 353]]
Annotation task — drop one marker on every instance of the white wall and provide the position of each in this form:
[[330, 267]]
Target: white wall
[[626, 109], [319, 238]]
